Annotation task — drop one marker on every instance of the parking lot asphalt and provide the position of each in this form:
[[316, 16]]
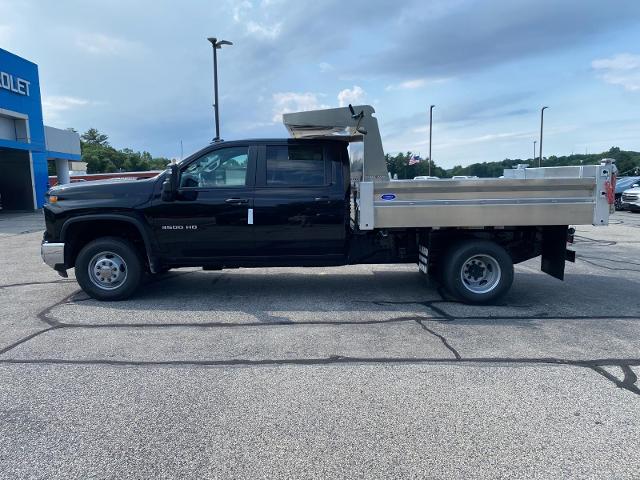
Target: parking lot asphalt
[[351, 372]]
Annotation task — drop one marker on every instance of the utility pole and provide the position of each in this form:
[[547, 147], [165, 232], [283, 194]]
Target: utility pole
[[534, 150], [430, 134], [541, 126], [216, 44]]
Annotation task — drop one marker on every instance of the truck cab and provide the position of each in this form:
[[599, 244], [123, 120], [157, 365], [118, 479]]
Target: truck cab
[[255, 202]]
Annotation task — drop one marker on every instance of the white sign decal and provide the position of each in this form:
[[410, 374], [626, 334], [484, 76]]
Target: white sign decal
[[14, 84]]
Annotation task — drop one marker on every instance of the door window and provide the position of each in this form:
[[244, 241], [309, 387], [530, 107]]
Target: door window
[[296, 165], [226, 167]]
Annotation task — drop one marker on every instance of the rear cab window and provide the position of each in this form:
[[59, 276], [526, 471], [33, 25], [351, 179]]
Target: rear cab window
[[296, 166]]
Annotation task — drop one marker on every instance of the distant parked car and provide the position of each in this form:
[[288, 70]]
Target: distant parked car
[[631, 199], [425, 177], [624, 183], [464, 177]]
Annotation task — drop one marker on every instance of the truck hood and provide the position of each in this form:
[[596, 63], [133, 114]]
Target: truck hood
[[122, 192], [635, 190]]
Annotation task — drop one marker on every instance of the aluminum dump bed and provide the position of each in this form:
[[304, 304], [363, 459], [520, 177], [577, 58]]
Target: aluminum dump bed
[[525, 196], [490, 202]]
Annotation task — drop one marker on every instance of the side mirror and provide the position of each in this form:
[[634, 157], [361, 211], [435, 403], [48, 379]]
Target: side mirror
[[170, 185]]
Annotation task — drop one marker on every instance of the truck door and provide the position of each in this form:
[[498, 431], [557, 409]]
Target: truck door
[[299, 200], [211, 215]]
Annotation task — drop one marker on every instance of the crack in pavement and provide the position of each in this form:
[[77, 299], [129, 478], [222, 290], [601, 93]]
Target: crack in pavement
[[27, 284], [43, 315], [276, 323], [26, 339], [628, 383], [596, 364], [600, 362], [445, 316], [613, 260], [444, 341], [606, 267]]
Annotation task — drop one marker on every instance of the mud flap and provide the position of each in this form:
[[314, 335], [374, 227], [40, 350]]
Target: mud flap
[[554, 250]]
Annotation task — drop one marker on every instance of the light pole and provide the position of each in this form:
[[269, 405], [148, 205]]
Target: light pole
[[541, 125], [216, 44], [534, 150], [430, 134]]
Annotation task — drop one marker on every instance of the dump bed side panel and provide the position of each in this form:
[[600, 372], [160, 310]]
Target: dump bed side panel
[[483, 202]]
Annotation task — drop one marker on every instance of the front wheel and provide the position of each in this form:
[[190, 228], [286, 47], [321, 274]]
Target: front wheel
[[109, 269], [477, 271]]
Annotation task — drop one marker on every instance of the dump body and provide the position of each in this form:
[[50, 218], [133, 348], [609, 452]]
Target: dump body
[[524, 197], [492, 202]]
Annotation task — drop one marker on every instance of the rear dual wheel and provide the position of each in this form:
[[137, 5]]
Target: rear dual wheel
[[477, 271]]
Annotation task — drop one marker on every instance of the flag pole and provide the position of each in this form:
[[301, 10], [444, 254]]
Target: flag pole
[[430, 137]]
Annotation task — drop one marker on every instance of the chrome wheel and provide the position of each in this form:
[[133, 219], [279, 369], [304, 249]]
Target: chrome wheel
[[107, 270], [480, 274]]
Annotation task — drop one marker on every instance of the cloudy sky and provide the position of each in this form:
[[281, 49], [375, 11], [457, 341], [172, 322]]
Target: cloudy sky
[[141, 70]]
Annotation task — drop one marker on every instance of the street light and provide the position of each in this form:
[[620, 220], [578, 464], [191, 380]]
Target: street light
[[534, 150], [430, 131], [216, 44], [541, 125]]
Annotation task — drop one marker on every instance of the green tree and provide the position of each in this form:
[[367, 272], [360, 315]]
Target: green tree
[[94, 137], [627, 162]]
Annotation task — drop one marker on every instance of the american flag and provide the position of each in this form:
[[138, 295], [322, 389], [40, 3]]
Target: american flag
[[414, 159]]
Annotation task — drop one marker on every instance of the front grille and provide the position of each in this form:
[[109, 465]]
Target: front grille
[[629, 197]]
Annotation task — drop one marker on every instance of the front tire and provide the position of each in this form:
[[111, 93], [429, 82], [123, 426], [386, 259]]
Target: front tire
[[477, 271], [109, 268]]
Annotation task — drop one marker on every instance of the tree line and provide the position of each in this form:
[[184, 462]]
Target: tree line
[[101, 157], [627, 161]]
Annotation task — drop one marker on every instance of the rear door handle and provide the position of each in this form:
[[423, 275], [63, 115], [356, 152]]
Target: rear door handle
[[236, 201]]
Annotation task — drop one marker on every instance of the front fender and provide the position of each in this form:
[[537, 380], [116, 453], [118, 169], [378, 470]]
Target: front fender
[[149, 244]]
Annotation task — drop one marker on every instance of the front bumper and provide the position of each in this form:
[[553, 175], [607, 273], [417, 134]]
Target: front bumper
[[53, 255]]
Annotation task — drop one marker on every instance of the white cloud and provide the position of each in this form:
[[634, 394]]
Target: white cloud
[[244, 13], [622, 69], [263, 30], [354, 95], [287, 102], [415, 83], [53, 106], [100, 44], [239, 10], [325, 67]]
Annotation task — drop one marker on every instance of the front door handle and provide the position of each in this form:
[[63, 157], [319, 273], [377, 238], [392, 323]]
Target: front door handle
[[236, 201]]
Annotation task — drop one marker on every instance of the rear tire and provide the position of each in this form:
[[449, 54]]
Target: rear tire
[[109, 268], [477, 271]]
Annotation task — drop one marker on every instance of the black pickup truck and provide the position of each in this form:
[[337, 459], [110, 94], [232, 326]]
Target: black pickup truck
[[262, 203]]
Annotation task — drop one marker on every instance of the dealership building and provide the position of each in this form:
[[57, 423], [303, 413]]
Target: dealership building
[[26, 144]]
